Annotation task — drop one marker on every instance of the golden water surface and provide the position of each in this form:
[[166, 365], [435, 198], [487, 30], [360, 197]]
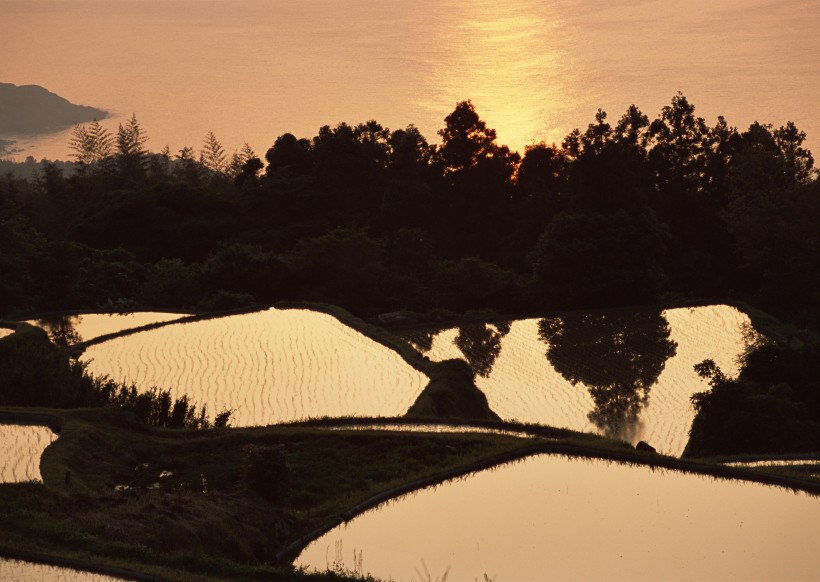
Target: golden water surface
[[555, 518], [17, 571], [268, 367], [73, 329], [22, 446], [251, 70], [636, 358]]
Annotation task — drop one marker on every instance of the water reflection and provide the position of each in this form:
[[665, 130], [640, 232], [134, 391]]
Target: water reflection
[[22, 446], [618, 356], [511, 60], [435, 428], [422, 340], [523, 385], [774, 463], [481, 345], [535, 70], [69, 330], [268, 366], [583, 520], [62, 330]]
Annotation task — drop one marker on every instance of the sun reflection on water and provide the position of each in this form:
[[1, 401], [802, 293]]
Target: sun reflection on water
[[508, 60]]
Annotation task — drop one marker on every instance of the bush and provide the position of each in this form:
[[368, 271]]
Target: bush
[[266, 472]]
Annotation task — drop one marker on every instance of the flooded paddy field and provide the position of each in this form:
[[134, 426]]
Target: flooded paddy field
[[622, 373], [73, 329], [572, 519], [268, 367], [433, 429], [19, 571], [4, 332], [22, 446]]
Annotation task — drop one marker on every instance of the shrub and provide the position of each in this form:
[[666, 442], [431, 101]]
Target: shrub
[[266, 472]]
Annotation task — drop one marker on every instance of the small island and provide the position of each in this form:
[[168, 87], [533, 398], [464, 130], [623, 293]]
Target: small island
[[29, 109]]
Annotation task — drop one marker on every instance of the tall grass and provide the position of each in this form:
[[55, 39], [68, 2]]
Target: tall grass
[[35, 372]]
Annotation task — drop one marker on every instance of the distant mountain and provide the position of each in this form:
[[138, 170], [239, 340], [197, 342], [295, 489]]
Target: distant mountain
[[33, 109]]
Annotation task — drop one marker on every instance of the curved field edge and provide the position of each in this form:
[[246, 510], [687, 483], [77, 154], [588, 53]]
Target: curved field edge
[[377, 334], [78, 349], [447, 394], [182, 530], [764, 475], [229, 531]]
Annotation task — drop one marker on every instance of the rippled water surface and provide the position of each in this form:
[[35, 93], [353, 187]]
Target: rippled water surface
[[17, 571], [251, 70], [73, 329], [625, 373], [271, 366], [433, 428], [555, 518], [21, 447], [5, 332]]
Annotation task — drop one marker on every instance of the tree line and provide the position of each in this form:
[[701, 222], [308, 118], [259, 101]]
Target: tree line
[[624, 212]]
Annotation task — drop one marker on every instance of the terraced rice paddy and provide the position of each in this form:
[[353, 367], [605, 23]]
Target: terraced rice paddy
[[22, 446], [17, 571], [433, 428], [73, 329], [268, 367], [628, 374], [571, 519], [5, 332], [774, 463]]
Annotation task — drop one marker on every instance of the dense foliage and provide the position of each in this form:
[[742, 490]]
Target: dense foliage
[[36, 372], [378, 220], [772, 407]]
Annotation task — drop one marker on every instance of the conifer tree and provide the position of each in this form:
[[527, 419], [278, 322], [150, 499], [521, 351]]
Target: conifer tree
[[213, 155], [91, 144]]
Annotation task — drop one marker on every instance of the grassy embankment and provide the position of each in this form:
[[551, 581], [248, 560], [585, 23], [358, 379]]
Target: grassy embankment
[[208, 519], [211, 519]]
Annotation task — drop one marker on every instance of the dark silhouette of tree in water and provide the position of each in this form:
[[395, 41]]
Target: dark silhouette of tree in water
[[481, 345], [61, 329], [422, 340], [617, 355]]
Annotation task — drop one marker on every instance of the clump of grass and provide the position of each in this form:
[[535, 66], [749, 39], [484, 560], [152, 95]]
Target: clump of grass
[[35, 372], [452, 394]]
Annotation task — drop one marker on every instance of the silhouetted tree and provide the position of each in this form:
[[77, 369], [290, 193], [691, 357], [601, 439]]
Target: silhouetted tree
[[410, 155], [618, 356], [243, 268], [212, 156], [239, 160], [478, 175], [343, 267], [186, 166], [632, 128], [472, 283], [290, 155], [90, 144], [130, 148], [689, 162], [772, 216], [772, 407], [600, 259], [798, 160]]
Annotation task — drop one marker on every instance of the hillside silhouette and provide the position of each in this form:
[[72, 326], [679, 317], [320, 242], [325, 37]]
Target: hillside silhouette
[[30, 109]]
